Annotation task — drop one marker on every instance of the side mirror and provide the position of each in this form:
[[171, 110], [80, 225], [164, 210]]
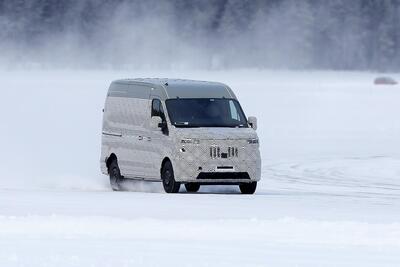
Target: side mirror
[[155, 122], [253, 122]]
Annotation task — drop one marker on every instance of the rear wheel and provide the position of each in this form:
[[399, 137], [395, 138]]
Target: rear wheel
[[115, 176], [192, 187], [168, 179], [248, 188]]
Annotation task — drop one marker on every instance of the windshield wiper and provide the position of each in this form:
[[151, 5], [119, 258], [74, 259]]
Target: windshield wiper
[[184, 124], [224, 125], [181, 123]]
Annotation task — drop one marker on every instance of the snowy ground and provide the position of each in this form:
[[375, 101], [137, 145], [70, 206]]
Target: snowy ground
[[330, 194]]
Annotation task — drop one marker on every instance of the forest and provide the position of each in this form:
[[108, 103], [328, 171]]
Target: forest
[[208, 34]]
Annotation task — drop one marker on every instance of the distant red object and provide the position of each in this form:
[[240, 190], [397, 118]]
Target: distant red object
[[385, 81]]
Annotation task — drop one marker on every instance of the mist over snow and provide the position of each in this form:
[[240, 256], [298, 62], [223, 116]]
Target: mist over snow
[[212, 34]]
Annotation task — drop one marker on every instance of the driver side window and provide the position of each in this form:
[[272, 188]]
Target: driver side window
[[157, 109]]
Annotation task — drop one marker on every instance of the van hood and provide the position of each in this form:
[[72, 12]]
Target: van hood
[[216, 133]]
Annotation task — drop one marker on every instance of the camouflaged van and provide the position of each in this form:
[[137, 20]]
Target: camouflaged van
[[178, 132]]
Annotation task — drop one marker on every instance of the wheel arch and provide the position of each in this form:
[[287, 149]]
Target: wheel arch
[[163, 162], [110, 159]]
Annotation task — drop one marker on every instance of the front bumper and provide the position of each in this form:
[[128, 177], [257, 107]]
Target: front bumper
[[229, 162]]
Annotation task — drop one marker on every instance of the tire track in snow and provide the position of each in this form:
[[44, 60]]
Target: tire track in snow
[[361, 177]]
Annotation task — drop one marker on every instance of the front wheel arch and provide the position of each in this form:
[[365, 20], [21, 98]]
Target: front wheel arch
[[168, 178], [162, 164]]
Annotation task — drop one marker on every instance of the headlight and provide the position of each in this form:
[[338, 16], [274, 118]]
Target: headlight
[[190, 141], [252, 141]]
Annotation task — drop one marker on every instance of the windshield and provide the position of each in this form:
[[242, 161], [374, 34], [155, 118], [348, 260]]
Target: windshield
[[205, 112]]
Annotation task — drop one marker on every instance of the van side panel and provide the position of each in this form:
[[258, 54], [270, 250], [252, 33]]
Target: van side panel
[[124, 126], [129, 90]]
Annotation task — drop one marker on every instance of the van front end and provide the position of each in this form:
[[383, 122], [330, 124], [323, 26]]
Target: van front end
[[214, 143], [218, 161]]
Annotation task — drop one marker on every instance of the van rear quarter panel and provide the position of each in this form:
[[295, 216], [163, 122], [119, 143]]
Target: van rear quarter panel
[[128, 117], [124, 121]]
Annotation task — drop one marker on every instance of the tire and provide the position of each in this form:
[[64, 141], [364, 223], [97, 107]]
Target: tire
[[115, 176], [168, 179], [248, 188], [192, 187]]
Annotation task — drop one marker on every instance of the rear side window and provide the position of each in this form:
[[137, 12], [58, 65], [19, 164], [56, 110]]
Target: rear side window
[[157, 109]]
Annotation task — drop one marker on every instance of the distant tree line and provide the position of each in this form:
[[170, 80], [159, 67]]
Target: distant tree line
[[294, 34]]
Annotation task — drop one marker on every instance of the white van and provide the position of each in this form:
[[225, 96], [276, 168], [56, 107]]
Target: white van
[[178, 132]]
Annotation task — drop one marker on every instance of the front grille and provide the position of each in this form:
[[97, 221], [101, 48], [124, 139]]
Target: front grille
[[230, 152], [223, 175]]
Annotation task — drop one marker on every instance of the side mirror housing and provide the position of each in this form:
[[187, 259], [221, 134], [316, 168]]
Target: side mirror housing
[[163, 125], [155, 122], [252, 122]]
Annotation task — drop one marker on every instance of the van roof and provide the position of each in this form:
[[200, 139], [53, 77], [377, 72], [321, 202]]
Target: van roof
[[174, 88]]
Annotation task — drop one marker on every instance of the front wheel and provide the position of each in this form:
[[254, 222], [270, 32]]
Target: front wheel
[[168, 179], [248, 188], [192, 187], [115, 176]]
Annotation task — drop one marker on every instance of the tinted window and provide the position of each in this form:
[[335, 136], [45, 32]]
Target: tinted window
[[205, 112]]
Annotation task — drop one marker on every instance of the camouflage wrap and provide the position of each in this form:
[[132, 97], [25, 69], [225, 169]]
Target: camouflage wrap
[[218, 155]]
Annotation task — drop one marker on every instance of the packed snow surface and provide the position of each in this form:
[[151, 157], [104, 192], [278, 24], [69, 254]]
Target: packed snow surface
[[329, 195]]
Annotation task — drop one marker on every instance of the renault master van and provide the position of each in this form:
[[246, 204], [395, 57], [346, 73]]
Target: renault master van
[[178, 132]]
